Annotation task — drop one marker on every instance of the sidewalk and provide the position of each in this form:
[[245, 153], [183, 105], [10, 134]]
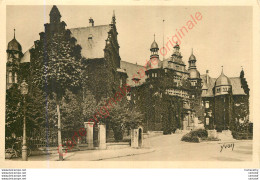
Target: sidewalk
[[96, 155], [90, 155]]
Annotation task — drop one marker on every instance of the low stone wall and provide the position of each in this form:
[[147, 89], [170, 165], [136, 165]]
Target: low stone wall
[[150, 134], [118, 145]]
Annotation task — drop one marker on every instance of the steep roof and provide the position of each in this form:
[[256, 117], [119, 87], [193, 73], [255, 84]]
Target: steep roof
[[237, 86], [132, 71], [92, 39], [209, 85], [235, 82], [91, 47], [27, 56]]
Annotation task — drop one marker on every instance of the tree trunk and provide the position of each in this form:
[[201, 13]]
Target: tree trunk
[[59, 131]]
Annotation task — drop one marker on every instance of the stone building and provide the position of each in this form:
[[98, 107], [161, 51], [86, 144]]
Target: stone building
[[164, 93], [226, 101], [172, 97], [99, 49]]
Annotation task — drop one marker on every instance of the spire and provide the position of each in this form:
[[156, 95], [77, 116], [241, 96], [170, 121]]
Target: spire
[[113, 18], [14, 33], [154, 46], [55, 15], [192, 60], [222, 70], [242, 74]]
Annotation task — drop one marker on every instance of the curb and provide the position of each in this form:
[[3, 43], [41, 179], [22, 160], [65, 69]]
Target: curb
[[133, 154]]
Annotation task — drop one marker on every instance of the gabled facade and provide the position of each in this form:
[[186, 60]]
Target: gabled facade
[[99, 49], [172, 97], [165, 94], [226, 101]]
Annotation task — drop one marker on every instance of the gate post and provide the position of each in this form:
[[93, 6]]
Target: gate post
[[134, 138], [102, 136], [89, 136]]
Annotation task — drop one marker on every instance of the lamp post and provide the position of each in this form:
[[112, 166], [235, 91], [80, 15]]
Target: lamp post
[[24, 91]]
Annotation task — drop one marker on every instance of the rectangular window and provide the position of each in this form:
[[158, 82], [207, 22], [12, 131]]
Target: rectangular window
[[206, 104], [121, 82], [207, 121], [15, 78], [10, 77]]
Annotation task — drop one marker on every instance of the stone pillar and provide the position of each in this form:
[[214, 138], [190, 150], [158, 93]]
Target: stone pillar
[[185, 124], [196, 122], [212, 133], [89, 136], [134, 138], [102, 136]]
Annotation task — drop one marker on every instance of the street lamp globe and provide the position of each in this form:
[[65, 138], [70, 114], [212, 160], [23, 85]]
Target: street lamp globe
[[24, 88]]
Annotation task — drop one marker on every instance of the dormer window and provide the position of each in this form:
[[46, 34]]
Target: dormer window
[[90, 37]]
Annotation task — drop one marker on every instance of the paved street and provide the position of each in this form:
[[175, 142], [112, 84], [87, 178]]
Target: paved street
[[169, 147], [163, 148]]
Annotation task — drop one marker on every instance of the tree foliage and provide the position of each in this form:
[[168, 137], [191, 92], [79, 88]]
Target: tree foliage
[[123, 117]]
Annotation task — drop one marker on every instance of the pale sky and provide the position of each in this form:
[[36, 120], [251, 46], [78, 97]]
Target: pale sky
[[222, 37]]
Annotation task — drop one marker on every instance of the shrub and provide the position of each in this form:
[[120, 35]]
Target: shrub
[[209, 139], [201, 133], [189, 138], [240, 136], [194, 136]]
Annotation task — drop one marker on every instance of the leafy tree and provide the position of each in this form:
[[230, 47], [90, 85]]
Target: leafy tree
[[71, 112], [31, 105], [89, 105], [14, 117], [122, 117], [56, 66]]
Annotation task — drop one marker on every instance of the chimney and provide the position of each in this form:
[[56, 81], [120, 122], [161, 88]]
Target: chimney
[[91, 22]]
